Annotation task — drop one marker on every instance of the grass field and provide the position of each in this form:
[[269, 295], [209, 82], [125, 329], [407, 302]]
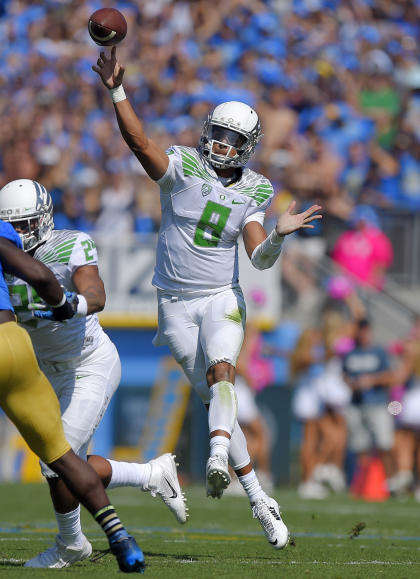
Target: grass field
[[222, 540]]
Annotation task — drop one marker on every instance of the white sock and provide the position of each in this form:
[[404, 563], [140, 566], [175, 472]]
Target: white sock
[[219, 445], [69, 527], [129, 474], [223, 407], [238, 449], [252, 486]]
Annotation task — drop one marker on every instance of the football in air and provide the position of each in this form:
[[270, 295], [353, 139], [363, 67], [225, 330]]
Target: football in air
[[107, 26]]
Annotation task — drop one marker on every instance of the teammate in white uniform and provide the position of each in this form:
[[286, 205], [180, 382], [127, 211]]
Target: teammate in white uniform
[[79, 360], [208, 199]]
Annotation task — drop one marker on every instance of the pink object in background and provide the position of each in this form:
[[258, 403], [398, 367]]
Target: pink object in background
[[260, 369], [366, 254], [339, 287], [258, 296], [396, 348], [343, 345]]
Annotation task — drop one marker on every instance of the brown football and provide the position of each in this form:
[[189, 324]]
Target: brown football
[[107, 27]]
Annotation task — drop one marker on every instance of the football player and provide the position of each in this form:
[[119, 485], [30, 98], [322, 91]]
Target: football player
[[208, 198], [80, 361], [29, 401]]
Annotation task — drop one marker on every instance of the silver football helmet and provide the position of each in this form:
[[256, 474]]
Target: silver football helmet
[[28, 207], [236, 125]]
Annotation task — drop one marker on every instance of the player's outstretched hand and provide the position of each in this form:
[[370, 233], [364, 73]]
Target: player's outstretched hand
[[109, 69], [289, 222]]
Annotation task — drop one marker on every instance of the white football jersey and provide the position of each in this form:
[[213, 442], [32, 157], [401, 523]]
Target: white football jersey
[[202, 219], [63, 253]]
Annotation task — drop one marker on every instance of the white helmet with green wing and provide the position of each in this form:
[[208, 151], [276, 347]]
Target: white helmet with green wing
[[236, 125], [28, 207]]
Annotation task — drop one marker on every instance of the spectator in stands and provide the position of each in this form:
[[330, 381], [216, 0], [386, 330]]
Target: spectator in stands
[[364, 251], [378, 96], [321, 399], [406, 451], [370, 425], [305, 365], [334, 395]]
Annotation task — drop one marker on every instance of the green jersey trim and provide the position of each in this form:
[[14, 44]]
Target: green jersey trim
[[192, 166], [61, 253]]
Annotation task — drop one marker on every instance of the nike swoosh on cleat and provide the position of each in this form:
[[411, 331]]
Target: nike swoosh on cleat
[[174, 493], [273, 542]]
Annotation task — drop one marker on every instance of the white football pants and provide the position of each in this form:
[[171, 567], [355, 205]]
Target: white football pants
[[201, 331], [84, 392]]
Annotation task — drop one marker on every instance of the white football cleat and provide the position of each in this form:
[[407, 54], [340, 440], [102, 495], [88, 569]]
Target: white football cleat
[[267, 511], [61, 555], [164, 483], [217, 475]]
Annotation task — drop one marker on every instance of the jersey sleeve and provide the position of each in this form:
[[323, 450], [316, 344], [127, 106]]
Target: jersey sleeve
[[84, 252], [7, 231], [263, 197], [173, 172]]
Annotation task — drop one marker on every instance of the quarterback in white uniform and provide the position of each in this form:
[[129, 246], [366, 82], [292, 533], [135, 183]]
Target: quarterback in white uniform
[[79, 360], [208, 199]]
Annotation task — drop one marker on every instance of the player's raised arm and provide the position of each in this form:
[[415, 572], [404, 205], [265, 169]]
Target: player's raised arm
[[154, 159], [262, 249]]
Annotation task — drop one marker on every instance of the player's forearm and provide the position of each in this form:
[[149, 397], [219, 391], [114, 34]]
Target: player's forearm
[[18, 263], [44, 283], [131, 126], [95, 299], [266, 253], [154, 160], [51, 292], [90, 290]]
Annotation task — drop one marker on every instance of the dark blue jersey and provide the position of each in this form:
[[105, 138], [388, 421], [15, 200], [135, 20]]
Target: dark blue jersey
[[368, 360], [7, 231]]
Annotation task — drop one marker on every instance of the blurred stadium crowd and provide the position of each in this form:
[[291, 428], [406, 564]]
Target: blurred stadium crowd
[[337, 85]]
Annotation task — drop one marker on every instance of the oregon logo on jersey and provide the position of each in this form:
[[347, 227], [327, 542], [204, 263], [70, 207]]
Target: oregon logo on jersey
[[205, 189]]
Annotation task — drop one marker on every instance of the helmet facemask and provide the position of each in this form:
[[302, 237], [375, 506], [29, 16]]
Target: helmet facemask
[[30, 231]]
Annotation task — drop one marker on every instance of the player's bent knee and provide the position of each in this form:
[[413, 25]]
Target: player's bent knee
[[220, 372]]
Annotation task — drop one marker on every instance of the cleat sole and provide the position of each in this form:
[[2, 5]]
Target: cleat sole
[[217, 482]]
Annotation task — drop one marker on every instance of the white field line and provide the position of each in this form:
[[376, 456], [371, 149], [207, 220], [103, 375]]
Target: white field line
[[211, 534], [272, 562], [265, 563], [23, 539]]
